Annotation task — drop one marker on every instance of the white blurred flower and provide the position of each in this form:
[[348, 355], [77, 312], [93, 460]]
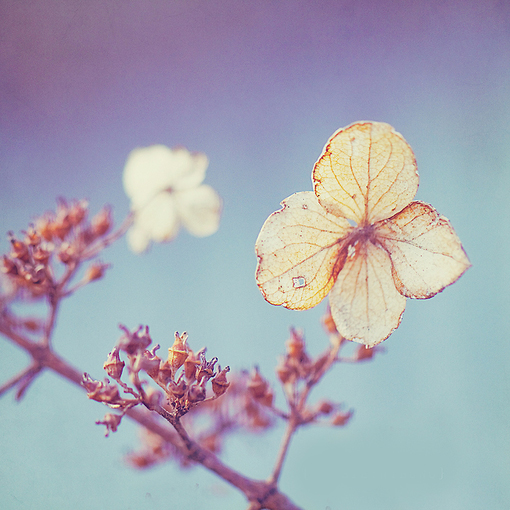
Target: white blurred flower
[[166, 190]]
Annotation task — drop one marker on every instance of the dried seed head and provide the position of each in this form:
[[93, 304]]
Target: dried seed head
[[219, 382], [178, 353], [114, 365]]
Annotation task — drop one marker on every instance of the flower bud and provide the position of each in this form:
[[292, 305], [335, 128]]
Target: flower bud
[[77, 212], [295, 344], [154, 396], [132, 343], [95, 271], [44, 226], [101, 222], [114, 365], [19, 250], [196, 394], [191, 364], [9, 266], [177, 389], [340, 419], [219, 382], [259, 388], [111, 421], [178, 353]]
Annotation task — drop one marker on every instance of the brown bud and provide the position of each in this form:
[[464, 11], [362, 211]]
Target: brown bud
[[295, 344], [77, 212], [284, 371], [219, 382], [19, 250], [196, 394], [325, 407], [328, 322], [191, 364], [101, 222], [112, 421], [364, 353], [61, 226], [95, 271], [134, 342], [9, 266], [44, 225], [178, 389], [114, 365], [66, 253], [154, 396], [257, 385], [165, 373], [41, 255], [32, 237], [178, 353], [340, 419], [149, 362]]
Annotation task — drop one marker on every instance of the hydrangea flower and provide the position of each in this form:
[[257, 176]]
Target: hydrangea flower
[[359, 237], [166, 191]]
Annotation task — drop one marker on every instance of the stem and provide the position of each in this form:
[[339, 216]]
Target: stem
[[282, 453]]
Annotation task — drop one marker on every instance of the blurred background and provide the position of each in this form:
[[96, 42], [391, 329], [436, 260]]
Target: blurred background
[[259, 87]]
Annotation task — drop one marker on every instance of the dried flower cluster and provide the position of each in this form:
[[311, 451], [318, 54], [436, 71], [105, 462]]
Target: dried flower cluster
[[61, 238], [182, 378]]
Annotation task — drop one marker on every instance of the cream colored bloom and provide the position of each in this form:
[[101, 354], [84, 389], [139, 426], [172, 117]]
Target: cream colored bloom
[[359, 237], [166, 191]]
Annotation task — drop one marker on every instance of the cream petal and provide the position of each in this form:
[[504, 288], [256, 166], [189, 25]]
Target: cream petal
[[365, 305], [367, 173], [425, 251], [199, 210], [188, 169], [148, 171], [138, 239], [300, 252], [159, 218]]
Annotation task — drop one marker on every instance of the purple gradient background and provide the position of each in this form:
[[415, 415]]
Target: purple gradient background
[[259, 87]]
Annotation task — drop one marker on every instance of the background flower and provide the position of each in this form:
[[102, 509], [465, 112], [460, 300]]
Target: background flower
[[166, 190]]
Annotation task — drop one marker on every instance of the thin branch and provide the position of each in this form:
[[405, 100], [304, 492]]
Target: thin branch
[[29, 371], [282, 453]]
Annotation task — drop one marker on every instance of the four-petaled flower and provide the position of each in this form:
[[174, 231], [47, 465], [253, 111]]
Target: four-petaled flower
[[359, 237], [166, 190]]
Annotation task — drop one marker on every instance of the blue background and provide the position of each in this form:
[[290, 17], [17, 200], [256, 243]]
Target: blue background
[[259, 87]]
